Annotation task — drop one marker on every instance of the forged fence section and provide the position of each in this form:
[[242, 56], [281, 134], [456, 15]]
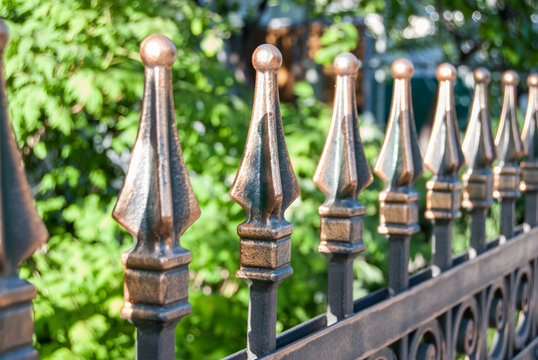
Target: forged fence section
[[446, 311]]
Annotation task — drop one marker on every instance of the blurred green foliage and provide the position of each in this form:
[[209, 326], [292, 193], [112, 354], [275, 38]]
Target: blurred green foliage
[[74, 85]]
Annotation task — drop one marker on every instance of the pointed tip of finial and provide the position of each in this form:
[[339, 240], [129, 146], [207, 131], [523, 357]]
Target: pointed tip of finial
[[4, 33], [532, 80], [158, 50], [266, 57], [402, 69], [445, 72], [482, 75], [346, 64], [510, 77]]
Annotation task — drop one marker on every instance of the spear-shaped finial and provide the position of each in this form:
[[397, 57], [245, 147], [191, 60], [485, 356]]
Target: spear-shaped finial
[[479, 151], [21, 229], [529, 167], [21, 232], [399, 164], [510, 150], [156, 205], [341, 174], [444, 158], [265, 186]]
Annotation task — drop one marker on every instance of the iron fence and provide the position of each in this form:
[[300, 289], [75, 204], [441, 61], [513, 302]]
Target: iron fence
[[443, 312]]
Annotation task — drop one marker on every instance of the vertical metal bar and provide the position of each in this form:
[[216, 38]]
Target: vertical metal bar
[[156, 205], [508, 216], [399, 165], [509, 149], [341, 174], [479, 151], [478, 229], [21, 232], [262, 317], [398, 262], [529, 167], [444, 158], [442, 244], [265, 186]]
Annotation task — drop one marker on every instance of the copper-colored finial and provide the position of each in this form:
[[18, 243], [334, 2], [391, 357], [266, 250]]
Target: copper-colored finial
[[156, 203], [399, 164], [21, 229], [266, 58], [510, 77], [158, 50], [508, 142], [402, 69], [482, 75], [478, 145], [443, 155], [265, 184], [343, 170], [529, 136], [341, 174]]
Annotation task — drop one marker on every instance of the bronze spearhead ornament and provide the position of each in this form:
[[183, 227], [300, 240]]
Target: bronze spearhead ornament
[[479, 148], [399, 164], [443, 155], [529, 136], [265, 184], [156, 203], [508, 141], [21, 229], [343, 169]]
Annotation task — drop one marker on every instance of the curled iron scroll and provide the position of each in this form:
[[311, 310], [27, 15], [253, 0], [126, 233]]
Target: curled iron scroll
[[428, 342], [466, 320], [497, 313], [523, 305]]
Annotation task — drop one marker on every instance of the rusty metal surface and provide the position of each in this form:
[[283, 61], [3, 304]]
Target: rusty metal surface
[[399, 165], [509, 150], [156, 205], [21, 232], [341, 174], [529, 167], [265, 186], [479, 150], [444, 158]]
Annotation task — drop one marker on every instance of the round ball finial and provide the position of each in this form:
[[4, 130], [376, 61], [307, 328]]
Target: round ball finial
[[3, 35], [402, 69], [510, 77], [445, 72], [266, 58], [482, 75], [532, 80], [158, 50], [345, 64]]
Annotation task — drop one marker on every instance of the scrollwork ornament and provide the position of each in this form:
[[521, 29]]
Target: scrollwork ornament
[[428, 342], [523, 305], [497, 313], [466, 322]]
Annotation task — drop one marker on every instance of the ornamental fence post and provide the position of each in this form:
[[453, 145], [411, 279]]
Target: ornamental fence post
[[21, 232], [156, 205]]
